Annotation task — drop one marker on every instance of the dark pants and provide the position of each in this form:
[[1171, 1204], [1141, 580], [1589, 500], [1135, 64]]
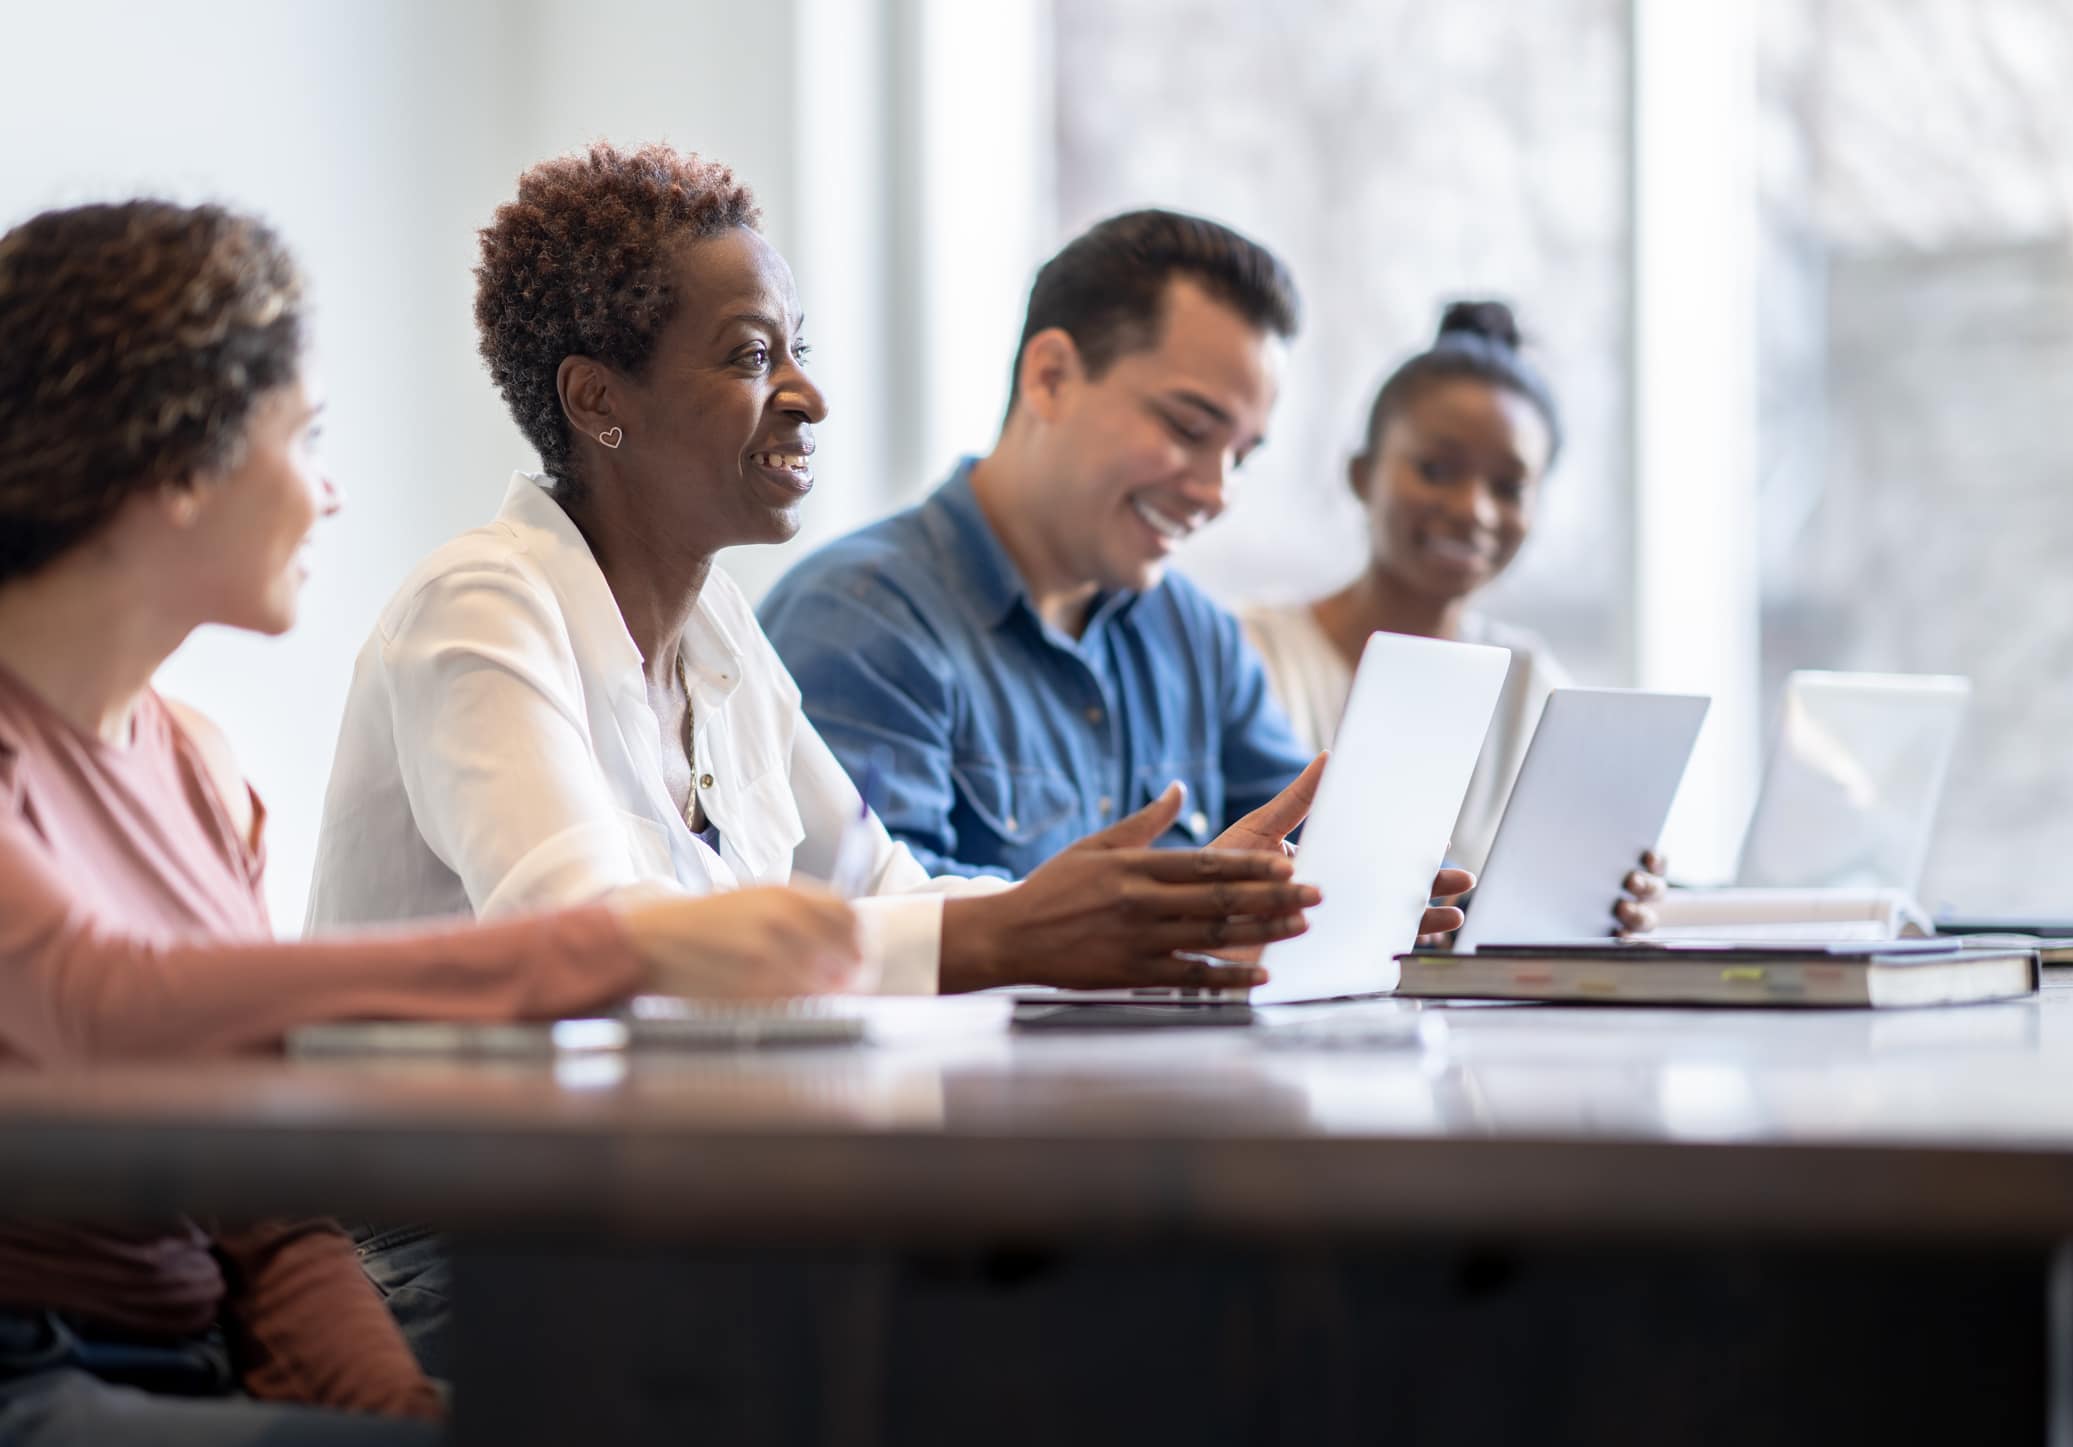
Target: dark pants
[[49, 1399], [411, 1268]]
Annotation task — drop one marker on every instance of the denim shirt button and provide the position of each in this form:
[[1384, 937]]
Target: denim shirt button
[[1198, 823]]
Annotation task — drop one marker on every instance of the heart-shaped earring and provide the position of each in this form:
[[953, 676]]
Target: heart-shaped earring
[[611, 436]]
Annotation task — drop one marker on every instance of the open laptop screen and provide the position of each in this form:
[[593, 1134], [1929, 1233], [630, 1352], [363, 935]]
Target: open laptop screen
[[1850, 793]]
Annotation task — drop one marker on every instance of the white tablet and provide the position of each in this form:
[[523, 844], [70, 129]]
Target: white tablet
[[1590, 799], [1401, 761], [1402, 758]]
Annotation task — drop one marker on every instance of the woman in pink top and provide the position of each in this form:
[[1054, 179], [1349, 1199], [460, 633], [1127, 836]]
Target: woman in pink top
[[156, 474]]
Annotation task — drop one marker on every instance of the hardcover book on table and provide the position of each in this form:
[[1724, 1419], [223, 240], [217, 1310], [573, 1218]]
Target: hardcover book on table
[[1876, 974]]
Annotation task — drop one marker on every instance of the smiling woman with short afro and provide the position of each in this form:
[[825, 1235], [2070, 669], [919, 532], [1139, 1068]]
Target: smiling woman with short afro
[[576, 265]]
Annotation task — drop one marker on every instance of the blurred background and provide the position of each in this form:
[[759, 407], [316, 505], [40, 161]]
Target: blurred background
[[1801, 274]]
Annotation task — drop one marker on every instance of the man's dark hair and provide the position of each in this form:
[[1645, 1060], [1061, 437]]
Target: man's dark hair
[[135, 340], [1107, 288]]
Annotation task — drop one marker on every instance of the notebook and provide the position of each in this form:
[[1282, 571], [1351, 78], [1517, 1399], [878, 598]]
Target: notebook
[[2054, 927], [1889, 973], [647, 1022], [2051, 950]]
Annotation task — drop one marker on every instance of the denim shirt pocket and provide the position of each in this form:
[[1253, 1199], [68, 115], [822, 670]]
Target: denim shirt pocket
[[1201, 814], [1030, 814]]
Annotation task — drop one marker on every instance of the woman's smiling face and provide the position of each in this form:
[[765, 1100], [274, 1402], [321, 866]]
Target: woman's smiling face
[[717, 430], [1451, 485]]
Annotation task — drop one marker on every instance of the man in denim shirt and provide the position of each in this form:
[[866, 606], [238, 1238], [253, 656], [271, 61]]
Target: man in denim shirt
[[1013, 653]]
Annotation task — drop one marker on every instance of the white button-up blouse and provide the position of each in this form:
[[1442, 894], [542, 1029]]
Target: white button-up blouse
[[498, 754]]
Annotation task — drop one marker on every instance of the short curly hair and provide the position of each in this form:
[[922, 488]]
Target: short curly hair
[[135, 339], [577, 265]]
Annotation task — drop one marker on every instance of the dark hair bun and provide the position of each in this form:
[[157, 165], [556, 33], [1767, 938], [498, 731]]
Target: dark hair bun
[[1490, 320]]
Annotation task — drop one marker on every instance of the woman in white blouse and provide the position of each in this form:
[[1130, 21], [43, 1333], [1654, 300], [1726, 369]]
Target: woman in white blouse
[[574, 700], [1458, 442]]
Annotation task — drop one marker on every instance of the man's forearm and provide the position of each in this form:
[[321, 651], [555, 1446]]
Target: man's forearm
[[972, 952]]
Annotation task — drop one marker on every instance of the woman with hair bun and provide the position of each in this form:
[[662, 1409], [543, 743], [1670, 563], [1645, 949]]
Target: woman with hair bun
[[1458, 441]]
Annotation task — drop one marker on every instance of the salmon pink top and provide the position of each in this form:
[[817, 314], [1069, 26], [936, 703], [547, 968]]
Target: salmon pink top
[[132, 925]]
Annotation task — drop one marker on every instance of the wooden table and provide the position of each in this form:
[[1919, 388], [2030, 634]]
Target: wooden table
[[1613, 1225]]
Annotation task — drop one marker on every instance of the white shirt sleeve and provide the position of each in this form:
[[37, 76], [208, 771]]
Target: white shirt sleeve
[[493, 732], [493, 748]]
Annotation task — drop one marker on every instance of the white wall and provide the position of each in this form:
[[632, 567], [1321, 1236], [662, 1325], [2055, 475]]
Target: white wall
[[360, 131]]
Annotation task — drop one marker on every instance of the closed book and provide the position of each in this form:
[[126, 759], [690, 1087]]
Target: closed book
[[1651, 974]]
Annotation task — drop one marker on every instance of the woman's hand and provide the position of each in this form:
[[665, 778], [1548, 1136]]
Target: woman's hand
[[1110, 912], [745, 944], [1450, 890], [1635, 909]]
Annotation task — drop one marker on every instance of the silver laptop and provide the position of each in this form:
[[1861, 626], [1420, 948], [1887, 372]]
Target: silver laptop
[[1377, 833], [1850, 793], [1591, 797]]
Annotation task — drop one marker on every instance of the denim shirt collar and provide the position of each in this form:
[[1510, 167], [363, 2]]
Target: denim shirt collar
[[993, 582]]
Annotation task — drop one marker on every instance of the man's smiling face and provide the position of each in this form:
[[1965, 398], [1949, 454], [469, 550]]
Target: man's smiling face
[[1144, 453]]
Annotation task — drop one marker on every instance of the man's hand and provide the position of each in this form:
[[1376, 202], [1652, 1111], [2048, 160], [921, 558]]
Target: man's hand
[[1110, 912], [1266, 829], [1635, 909]]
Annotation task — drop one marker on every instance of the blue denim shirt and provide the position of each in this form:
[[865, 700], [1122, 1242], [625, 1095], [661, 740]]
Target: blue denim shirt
[[999, 740]]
